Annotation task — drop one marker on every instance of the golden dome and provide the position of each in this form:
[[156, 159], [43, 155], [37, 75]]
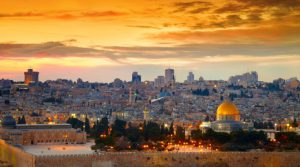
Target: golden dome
[[227, 108]]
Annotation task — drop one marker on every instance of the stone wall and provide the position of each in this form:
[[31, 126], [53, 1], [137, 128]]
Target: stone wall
[[142, 159], [19, 158], [15, 156]]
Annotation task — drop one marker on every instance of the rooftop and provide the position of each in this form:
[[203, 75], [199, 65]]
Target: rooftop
[[43, 126], [59, 149]]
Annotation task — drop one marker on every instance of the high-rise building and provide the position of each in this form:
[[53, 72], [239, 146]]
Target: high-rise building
[[244, 79], [136, 78], [190, 77], [159, 81], [31, 76], [169, 76]]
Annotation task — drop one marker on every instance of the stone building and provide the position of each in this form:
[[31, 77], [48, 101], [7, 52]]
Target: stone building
[[24, 134]]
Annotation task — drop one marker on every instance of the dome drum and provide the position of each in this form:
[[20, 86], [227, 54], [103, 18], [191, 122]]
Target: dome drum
[[228, 117]]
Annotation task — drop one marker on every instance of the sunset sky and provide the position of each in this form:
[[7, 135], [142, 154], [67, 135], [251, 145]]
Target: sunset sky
[[99, 40]]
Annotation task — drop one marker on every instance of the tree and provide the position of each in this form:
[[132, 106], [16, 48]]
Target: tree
[[180, 133], [232, 96], [122, 143], [206, 118], [196, 134], [19, 120], [163, 131], [171, 129], [22, 120], [87, 125], [252, 137], [294, 124], [200, 92], [100, 128], [152, 131], [287, 137], [133, 134], [104, 125], [76, 123], [216, 137], [118, 128]]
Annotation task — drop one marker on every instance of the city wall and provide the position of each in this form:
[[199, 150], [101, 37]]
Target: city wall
[[18, 158], [14, 156], [164, 159]]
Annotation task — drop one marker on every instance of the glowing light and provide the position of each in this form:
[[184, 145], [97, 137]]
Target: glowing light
[[73, 115]]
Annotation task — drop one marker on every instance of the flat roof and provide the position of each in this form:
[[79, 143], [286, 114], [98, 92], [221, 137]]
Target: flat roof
[[59, 149], [43, 126]]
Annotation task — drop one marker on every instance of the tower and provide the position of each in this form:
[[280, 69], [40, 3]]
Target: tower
[[146, 114], [190, 77], [136, 78], [130, 95], [169, 76], [31, 76]]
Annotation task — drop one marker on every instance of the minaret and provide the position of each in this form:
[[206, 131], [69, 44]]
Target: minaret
[[146, 114], [130, 95]]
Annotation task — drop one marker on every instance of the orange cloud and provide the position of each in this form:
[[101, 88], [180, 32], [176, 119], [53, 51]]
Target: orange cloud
[[20, 14], [280, 34]]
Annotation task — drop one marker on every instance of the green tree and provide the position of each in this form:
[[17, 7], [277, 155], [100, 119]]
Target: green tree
[[76, 123], [180, 133], [294, 124], [196, 134], [22, 120], [216, 137], [287, 137], [152, 131], [163, 131], [87, 127], [133, 134], [171, 129], [100, 128], [19, 120], [118, 128]]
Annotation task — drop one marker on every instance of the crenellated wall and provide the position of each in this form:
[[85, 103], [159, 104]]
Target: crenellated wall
[[19, 158], [143, 159]]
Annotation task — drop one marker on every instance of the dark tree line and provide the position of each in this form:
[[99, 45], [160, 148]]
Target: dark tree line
[[132, 136], [201, 92], [234, 141], [76, 123], [263, 125]]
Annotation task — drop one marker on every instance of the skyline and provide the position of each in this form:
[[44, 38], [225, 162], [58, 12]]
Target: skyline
[[146, 80], [91, 39]]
